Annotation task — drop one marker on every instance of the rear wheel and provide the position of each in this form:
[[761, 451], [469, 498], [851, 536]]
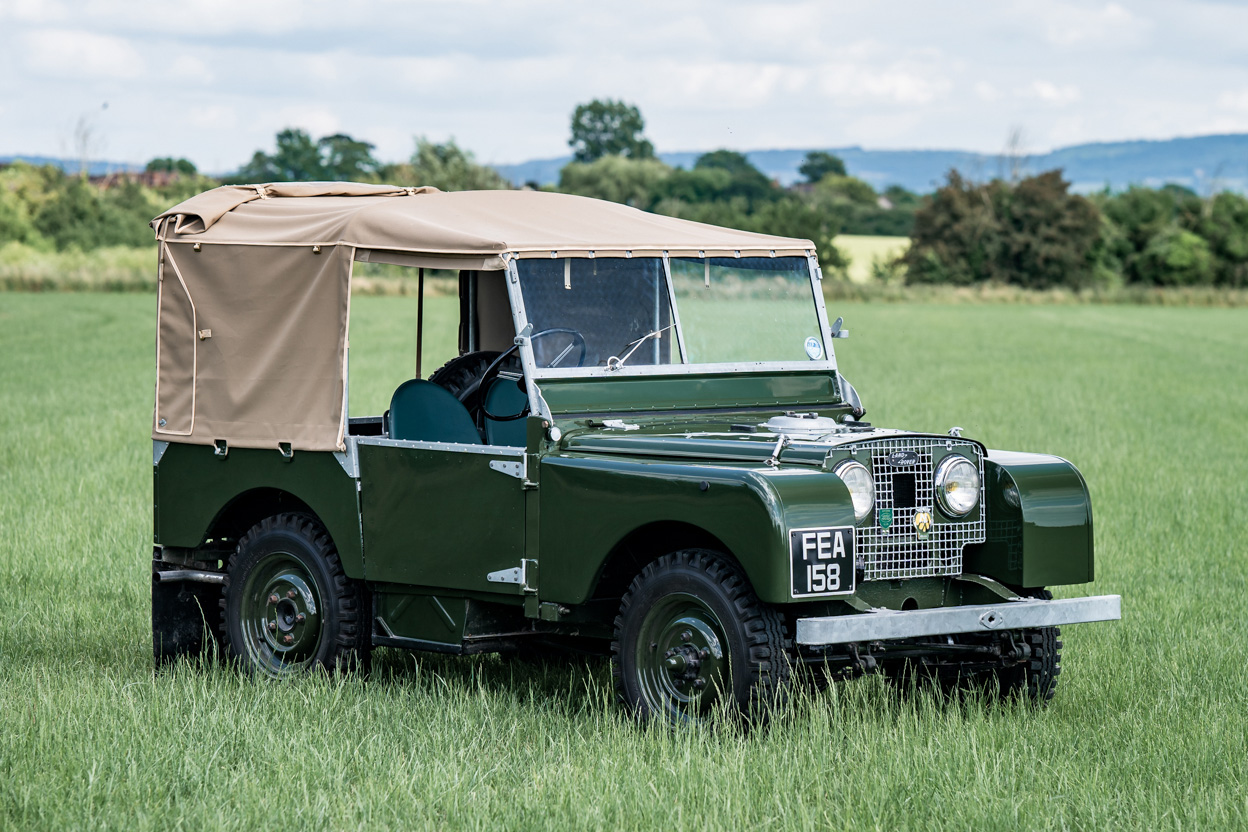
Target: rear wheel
[[287, 606], [692, 635]]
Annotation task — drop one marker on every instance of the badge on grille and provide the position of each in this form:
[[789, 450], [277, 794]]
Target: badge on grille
[[922, 523], [903, 459], [886, 518]]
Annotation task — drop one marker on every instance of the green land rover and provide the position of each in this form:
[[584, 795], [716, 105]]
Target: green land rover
[[644, 449]]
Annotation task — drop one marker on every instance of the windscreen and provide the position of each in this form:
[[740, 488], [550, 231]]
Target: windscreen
[[587, 312], [616, 312], [747, 309]]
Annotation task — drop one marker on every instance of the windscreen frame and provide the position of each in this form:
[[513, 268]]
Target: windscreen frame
[[815, 276]]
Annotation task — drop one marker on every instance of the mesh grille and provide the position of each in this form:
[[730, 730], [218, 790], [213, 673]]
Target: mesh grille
[[897, 552]]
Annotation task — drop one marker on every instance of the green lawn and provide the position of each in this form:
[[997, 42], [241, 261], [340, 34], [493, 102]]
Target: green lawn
[[1147, 731]]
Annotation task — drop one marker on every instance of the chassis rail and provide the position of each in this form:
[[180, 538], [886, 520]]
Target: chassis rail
[[882, 625]]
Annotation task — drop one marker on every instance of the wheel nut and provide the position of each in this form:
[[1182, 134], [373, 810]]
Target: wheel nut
[[290, 593], [272, 626], [699, 683], [289, 639], [686, 636], [704, 653], [300, 618], [273, 599]]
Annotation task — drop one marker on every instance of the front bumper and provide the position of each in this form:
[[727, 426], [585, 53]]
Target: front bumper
[[884, 625]]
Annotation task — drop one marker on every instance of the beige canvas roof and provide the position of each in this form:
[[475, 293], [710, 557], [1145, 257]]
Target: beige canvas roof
[[255, 288], [469, 224]]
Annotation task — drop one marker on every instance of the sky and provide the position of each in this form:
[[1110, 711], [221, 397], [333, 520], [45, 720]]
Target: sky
[[214, 80]]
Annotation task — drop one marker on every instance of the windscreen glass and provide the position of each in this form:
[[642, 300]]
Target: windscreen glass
[[591, 312], [747, 309]]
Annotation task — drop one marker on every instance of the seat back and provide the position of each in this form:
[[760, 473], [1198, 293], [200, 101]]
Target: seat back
[[422, 411], [505, 398]]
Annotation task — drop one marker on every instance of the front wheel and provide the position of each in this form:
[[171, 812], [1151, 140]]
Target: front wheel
[[691, 634], [287, 606]]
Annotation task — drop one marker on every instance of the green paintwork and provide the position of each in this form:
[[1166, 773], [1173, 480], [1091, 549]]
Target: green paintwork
[[591, 503], [193, 487], [654, 393], [1047, 539], [440, 518], [437, 619]]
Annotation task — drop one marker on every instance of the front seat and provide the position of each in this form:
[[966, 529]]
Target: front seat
[[505, 397], [421, 411]]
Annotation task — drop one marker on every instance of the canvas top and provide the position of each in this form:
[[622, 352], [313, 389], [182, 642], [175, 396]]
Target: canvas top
[[476, 224]]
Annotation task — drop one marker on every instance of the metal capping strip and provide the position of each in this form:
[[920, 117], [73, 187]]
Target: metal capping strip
[[883, 625], [897, 553]]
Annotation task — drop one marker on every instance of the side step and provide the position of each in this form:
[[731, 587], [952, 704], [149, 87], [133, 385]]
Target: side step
[[883, 625]]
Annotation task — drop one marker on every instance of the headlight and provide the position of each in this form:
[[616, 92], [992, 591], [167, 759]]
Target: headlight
[[860, 484], [957, 485]]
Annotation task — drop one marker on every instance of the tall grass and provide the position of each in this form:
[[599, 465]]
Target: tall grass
[[1148, 729]]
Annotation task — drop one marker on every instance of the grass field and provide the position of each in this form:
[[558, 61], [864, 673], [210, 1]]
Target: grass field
[[1149, 728], [863, 250]]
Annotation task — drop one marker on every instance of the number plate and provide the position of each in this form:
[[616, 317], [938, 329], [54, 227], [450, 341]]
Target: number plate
[[821, 561]]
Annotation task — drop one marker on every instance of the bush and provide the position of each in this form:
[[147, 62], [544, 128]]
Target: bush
[[1174, 257], [1034, 234]]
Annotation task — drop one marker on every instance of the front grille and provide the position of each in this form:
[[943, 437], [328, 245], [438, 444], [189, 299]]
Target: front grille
[[897, 552]]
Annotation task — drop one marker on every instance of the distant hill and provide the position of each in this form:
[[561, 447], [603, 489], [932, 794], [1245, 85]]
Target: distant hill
[[1203, 163], [102, 168]]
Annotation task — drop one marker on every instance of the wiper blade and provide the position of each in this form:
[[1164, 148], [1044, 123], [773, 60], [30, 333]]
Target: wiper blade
[[615, 363]]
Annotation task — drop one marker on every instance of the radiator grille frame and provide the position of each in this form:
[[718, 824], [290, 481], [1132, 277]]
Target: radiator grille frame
[[897, 553]]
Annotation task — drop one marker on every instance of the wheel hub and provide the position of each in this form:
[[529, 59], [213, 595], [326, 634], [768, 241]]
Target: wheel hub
[[681, 656], [282, 615]]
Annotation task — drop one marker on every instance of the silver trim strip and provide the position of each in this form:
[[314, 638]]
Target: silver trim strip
[[487, 450], [733, 368], [350, 458], [882, 625]]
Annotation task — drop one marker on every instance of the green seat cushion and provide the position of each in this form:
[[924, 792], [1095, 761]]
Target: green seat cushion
[[421, 411]]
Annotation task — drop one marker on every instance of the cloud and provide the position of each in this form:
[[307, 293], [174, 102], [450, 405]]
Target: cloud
[[213, 117], [85, 56], [317, 121], [1067, 25], [1051, 93], [1237, 100], [986, 92], [190, 68]]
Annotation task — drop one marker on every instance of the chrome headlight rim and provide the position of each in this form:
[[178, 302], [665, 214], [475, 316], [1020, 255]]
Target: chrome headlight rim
[[843, 467], [942, 476]]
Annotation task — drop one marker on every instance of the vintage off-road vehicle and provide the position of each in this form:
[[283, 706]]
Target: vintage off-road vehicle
[[644, 449]]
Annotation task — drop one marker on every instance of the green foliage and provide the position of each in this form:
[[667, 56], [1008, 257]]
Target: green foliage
[[1174, 257], [616, 179], [819, 164], [605, 127], [745, 180], [300, 159], [837, 187], [1033, 234], [445, 166], [168, 164]]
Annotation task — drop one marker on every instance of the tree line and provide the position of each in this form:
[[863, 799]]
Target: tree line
[[1027, 231], [1035, 233]]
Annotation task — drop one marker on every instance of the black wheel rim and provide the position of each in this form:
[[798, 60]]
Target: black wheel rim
[[682, 658], [280, 612]]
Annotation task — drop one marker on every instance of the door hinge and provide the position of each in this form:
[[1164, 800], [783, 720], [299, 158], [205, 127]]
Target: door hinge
[[511, 469]]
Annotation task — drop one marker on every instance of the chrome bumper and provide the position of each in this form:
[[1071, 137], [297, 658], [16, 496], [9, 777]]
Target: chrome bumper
[[881, 625]]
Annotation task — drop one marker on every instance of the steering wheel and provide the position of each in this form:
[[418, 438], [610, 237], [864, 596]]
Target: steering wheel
[[491, 373]]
